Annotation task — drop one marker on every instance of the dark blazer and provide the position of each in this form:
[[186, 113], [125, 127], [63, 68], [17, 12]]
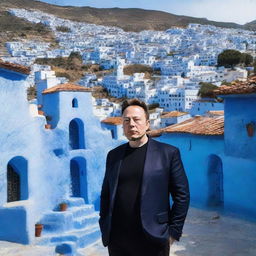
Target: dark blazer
[[163, 175]]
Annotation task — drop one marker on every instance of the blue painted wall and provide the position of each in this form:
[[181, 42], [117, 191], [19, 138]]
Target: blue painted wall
[[51, 108], [11, 75], [239, 111], [42, 157], [239, 174], [14, 226], [195, 151]]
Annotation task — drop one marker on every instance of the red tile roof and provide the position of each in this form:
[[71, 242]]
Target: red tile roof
[[216, 112], [116, 120], [155, 133], [173, 114], [246, 87], [199, 125], [66, 87], [14, 67]]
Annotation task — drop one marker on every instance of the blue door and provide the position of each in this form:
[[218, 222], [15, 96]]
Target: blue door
[[215, 182], [75, 179]]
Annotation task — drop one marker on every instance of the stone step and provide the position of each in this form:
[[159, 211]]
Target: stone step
[[82, 237], [92, 238], [81, 210], [57, 221], [87, 220], [77, 226], [74, 217], [74, 201]]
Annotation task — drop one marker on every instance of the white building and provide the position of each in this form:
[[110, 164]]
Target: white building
[[202, 106], [173, 117]]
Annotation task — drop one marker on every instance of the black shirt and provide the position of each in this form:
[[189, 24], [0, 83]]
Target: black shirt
[[126, 213]]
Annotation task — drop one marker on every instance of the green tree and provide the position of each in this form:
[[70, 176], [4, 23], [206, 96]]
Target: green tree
[[246, 59], [229, 58], [63, 29], [206, 90], [41, 28], [171, 53], [153, 106], [75, 55], [31, 93]]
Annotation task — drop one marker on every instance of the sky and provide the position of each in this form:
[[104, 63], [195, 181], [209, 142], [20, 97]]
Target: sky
[[238, 11]]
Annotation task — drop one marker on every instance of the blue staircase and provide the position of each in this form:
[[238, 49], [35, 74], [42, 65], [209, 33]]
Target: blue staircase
[[76, 227]]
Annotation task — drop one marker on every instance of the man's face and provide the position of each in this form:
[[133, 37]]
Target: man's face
[[135, 123]]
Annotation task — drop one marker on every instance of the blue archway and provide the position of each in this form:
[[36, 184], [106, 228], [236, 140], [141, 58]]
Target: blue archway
[[17, 179], [215, 182], [76, 134]]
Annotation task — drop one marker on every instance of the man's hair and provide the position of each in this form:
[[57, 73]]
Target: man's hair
[[135, 102]]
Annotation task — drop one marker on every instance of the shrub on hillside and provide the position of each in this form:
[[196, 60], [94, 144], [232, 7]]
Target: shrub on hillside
[[137, 68], [206, 90], [63, 29]]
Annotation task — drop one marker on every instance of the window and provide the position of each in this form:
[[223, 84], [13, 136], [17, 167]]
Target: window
[[74, 103]]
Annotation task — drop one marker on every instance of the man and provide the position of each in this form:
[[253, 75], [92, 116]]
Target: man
[[135, 214]]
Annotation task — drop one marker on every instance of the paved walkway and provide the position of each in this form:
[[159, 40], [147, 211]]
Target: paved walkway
[[205, 234], [208, 234]]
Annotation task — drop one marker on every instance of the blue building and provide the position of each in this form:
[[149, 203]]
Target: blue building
[[54, 156], [115, 125], [219, 156]]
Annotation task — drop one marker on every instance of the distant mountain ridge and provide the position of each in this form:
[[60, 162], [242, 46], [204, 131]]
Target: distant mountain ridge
[[251, 25], [131, 19]]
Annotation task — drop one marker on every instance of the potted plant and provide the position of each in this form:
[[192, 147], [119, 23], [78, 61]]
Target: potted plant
[[250, 129], [38, 229], [63, 206], [47, 126]]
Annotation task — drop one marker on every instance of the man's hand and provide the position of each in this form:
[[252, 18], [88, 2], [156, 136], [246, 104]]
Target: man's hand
[[171, 241]]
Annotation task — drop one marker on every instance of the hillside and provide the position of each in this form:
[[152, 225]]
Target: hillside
[[12, 28], [129, 19], [251, 25]]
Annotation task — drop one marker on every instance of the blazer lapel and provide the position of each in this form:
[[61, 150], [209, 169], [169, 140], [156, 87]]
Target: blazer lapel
[[115, 174], [149, 164]]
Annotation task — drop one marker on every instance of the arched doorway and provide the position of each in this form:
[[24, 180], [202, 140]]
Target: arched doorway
[[215, 182], [76, 134], [17, 179], [78, 176]]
